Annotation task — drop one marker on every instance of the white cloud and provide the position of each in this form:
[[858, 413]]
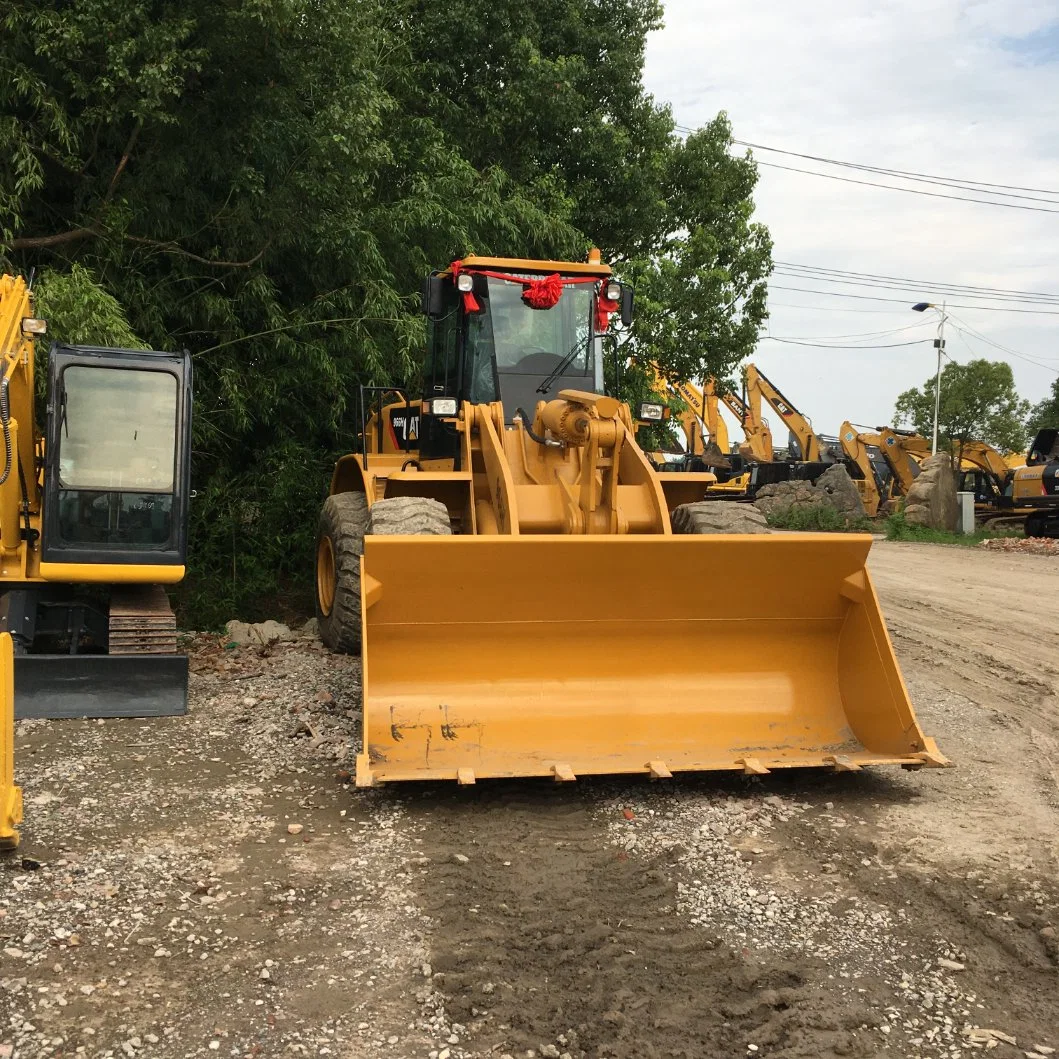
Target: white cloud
[[958, 87]]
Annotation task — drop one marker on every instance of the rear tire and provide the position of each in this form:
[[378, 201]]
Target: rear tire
[[718, 516], [409, 516], [339, 546]]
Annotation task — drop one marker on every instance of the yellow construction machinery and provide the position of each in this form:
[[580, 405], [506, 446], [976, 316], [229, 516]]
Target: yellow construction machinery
[[10, 795], [806, 446], [902, 450], [506, 560], [705, 437], [1035, 487], [93, 521], [855, 446]]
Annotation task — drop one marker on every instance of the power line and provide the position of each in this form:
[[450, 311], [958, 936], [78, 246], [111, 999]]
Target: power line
[[908, 191], [830, 308], [971, 289], [827, 345], [887, 171], [904, 301], [880, 284], [962, 327], [863, 334]]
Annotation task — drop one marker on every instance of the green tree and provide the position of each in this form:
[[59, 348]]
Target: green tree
[[266, 184], [1046, 413], [978, 402]]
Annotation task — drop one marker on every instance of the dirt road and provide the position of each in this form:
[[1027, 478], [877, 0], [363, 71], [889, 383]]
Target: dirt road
[[212, 885]]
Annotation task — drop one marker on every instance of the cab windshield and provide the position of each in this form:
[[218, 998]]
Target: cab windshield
[[523, 346]]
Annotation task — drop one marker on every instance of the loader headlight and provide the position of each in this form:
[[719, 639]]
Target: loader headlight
[[612, 291], [465, 282], [33, 326], [444, 406], [651, 413]]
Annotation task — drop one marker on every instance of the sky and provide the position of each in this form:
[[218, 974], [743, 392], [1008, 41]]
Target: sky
[[957, 88]]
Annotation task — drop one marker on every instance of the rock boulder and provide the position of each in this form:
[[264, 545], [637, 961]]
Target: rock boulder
[[834, 489], [932, 499], [261, 632]]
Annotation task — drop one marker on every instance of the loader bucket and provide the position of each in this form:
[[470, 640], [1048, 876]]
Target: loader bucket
[[565, 656]]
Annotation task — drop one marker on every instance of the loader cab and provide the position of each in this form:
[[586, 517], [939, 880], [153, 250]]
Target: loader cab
[[486, 343], [116, 484]]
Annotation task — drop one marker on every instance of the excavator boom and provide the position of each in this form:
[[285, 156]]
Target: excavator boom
[[758, 389]]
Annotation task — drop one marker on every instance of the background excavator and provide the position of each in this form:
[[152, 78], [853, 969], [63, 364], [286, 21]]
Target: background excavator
[[506, 559], [93, 521], [1035, 487], [855, 447], [805, 446], [706, 440]]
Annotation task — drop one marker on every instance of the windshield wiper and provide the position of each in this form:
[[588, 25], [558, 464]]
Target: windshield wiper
[[546, 383]]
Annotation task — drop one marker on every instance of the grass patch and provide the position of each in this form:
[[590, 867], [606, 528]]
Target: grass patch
[[899, 529], [820, 518]]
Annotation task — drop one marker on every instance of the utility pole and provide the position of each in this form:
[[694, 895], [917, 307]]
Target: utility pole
[[939, 344]]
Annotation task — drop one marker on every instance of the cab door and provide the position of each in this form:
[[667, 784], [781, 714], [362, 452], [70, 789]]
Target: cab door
[[117, 472]]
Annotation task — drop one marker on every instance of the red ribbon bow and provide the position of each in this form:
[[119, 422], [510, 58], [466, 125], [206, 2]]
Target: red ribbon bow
[[543, 293]]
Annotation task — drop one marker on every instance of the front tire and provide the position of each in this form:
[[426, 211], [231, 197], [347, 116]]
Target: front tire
[[339, 546], [409, 516]]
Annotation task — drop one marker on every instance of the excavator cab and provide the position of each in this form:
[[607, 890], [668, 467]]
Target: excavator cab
[[118, 460], [104, 528]]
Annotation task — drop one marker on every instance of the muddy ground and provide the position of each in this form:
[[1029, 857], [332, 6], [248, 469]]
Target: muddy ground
[[212, 885]]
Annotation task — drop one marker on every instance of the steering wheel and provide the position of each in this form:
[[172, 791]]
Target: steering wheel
[[537, 361]]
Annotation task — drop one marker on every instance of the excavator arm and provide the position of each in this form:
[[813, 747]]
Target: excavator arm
[[758, 446], [855, 446], [902, 453], [759, 389], [986, 458]]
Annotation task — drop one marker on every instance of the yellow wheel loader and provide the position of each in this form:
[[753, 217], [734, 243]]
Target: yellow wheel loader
[[507, 561], [93, 521]]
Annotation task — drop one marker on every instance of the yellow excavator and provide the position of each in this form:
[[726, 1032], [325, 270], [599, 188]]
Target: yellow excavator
[[506, 559], [806, 446], [93, 521], [855, 446], [10, 794], [1035, 487], [706, 438]]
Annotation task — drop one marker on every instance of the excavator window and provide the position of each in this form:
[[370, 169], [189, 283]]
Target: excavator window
[[119, 429], [117, 456]]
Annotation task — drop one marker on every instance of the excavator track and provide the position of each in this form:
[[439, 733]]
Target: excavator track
[[142, 676], [141, 621]]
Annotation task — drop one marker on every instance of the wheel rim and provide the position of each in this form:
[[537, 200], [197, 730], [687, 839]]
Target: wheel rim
[[325, 575]]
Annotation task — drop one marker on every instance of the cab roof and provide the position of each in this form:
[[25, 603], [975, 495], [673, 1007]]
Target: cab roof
[[519, 264]]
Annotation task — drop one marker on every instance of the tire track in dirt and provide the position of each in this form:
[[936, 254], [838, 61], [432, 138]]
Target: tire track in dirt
[[550, 937]]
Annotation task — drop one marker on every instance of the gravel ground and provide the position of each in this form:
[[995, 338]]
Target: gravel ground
[[1026, 545], [212, 884]]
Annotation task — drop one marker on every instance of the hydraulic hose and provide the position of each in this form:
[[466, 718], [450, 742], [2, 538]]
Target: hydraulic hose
[[5, 418], [526, 426]]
